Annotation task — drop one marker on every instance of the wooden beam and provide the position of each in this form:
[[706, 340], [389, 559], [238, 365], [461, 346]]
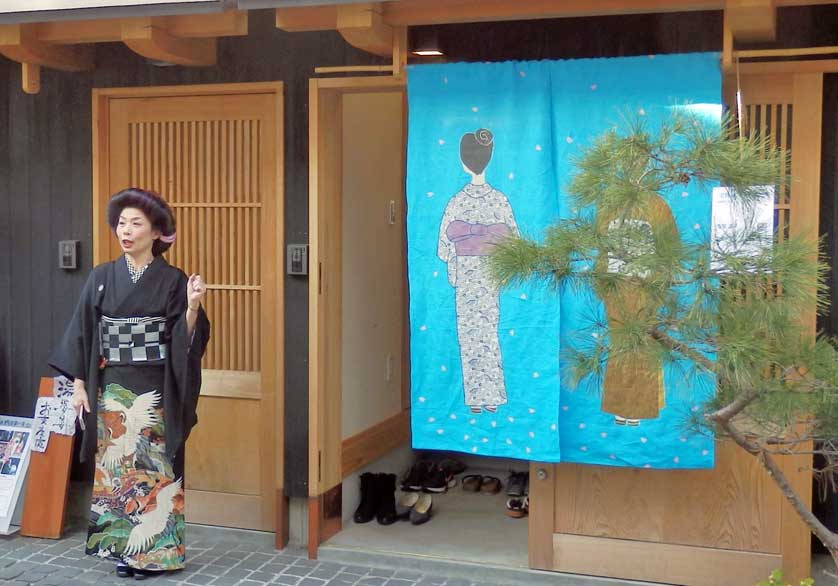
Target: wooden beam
[[362, 25], [31, 78], [19, 43], [409, 12], [307, 19], [400, 49], [225, 24], [727, 45], [773, 67], [751, 20], [426, 12], [354, 69], [801, 52], [151, 38]]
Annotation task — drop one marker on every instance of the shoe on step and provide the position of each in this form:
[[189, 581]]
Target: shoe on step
[[436, 481], [421, 511], [369, 499], [490, 485], [517, 507], [415, 479], [471, 483], [385, 513], [405, 504], [515, 485], [452, 466]]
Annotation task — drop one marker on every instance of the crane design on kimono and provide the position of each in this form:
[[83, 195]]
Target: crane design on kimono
[[157, 510], [126, 430]]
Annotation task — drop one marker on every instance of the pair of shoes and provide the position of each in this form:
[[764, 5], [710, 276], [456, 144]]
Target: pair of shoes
[[518, 507], [378, 499], [426, 476], [415, 507], [479, 483], [123, 570], [624, 421], [518, 484]]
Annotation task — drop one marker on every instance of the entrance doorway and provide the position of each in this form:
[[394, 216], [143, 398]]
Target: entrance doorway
[[359, 360], [214, 153]]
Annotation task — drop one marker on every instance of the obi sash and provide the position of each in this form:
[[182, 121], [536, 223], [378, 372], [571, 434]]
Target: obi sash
[[133, 340], [475, 239]]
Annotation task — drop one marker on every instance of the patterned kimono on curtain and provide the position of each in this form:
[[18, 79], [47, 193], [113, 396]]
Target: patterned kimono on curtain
[[474, 219]]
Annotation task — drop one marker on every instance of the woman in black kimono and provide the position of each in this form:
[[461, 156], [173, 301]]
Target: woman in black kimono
[[133, 349]]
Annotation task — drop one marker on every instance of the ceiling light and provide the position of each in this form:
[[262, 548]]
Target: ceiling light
[[425, 43]]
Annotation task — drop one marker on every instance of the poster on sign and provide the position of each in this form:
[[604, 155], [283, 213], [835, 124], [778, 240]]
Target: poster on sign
[[54, 414], [15, 447]]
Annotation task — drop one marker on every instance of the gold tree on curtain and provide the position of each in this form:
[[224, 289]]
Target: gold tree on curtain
[[739, 322]]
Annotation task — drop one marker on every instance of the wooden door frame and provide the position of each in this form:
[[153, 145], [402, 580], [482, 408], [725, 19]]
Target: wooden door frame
[[272, 357], [330, 457]]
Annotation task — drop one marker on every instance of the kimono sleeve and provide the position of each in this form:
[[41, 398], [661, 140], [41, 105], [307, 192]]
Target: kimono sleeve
[[71, 357], [185, 353], [445, 248]]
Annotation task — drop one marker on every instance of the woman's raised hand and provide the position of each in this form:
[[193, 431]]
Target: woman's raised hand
[[195, 291]]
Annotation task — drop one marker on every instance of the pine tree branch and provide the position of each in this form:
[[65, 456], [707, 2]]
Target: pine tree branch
[[674, 345], [734, 408]]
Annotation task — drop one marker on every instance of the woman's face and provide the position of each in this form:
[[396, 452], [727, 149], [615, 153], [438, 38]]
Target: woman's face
[[134, 232]]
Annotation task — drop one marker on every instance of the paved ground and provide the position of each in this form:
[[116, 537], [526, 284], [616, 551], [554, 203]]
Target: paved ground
[[216, 556]]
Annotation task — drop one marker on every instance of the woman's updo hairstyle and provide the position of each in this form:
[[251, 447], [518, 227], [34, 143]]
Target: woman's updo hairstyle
[[153, 206], [476, 150]]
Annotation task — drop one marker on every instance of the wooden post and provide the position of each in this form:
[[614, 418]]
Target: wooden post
[[48, 482], [30, 78]]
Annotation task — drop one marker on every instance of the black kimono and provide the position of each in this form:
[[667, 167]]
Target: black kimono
[[129, 342]]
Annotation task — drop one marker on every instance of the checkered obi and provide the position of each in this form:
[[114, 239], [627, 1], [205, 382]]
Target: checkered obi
[[133, 340]]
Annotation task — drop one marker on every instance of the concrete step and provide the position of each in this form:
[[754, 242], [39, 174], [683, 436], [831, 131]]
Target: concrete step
[[482, 572]]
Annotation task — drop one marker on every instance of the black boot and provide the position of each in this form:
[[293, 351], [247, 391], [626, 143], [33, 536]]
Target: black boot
[[369, 498], [386, 512]]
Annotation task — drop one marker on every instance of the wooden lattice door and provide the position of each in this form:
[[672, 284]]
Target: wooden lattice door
[[214, 153]]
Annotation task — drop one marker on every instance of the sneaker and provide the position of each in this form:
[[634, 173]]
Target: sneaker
[[436, 480], [516, 484], [415, 479], [452, 466]]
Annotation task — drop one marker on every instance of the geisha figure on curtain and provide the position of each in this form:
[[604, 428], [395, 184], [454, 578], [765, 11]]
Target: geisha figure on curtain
[[488, 374], [474, 219]]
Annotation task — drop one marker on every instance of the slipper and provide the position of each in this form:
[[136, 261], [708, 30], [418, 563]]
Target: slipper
[[518, 507], [490, 485], [472, 482]]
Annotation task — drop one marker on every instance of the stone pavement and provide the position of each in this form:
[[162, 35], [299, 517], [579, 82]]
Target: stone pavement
[[220, 557]]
